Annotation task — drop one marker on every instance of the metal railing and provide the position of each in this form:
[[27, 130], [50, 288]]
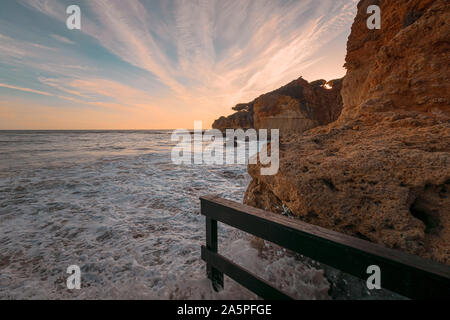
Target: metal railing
[[405, 274]]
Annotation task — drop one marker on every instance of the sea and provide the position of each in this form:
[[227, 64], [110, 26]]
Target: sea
[[115, 204]]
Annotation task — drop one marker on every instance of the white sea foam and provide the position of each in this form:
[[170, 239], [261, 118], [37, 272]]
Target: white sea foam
[[114, 204]]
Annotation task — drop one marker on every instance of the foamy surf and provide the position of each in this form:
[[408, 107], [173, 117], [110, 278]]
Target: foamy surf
[[114, 204]]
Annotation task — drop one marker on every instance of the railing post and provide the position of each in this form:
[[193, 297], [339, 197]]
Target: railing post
[[211, 244]]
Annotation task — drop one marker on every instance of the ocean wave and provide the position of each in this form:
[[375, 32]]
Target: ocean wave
[[130, 220]]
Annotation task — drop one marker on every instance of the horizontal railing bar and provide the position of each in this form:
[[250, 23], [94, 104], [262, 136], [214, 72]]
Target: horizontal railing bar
[[406, 274], [255, 284]]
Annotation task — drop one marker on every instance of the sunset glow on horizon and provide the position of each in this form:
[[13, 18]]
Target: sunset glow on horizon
[[159, 64]]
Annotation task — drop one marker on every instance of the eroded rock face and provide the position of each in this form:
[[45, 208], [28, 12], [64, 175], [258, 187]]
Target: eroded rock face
[[402, 66], [296, 107], [243, 119], [385, 183], [382, 171]]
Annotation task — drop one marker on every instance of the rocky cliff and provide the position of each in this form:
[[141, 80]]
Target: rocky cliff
[[381, 172], [295, 107]]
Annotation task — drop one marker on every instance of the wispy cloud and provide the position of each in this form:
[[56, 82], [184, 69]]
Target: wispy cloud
[[62, 39], [197, 55], [4, 85]]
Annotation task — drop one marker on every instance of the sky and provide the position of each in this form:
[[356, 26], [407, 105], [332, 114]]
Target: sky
[[159, 64]]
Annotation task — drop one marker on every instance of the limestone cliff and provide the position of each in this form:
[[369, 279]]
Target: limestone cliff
[[382, 170], [295, 107]]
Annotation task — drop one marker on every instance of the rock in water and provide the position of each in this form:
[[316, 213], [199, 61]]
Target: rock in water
[[296, 107], [381, 172]]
